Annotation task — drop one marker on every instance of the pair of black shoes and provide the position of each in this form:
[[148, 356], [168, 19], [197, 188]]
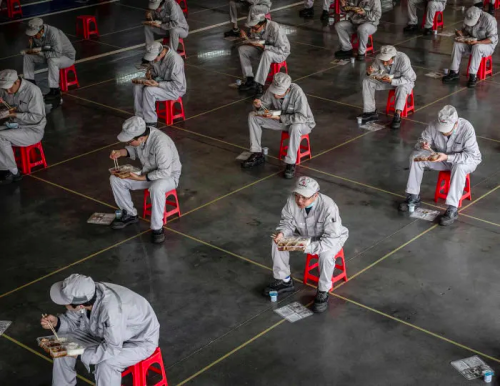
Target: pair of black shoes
[[157, 235], [256, 159], [447, 218], [373, 116], [454, 77], [282, 287], [9, 178], [250, 84]]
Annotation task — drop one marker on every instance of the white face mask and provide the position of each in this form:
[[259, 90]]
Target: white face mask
[[82, 311]]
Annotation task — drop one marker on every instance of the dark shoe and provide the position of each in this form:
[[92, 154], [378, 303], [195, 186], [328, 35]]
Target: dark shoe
[[254, 160], [54, 102], [320, 302], [307, 12], [452, 77], [449, 216], [232, 33], [158, 236], [259, 90], [31, 80], [124, 220], [360, 57], [10, 178], [396, 122], [368, 117], [427, 31], [54, 93], [248, 85], [289, 171], [410, 28], [410, 199], [472, 81], [325, 15], [343, 54], [279, 286]]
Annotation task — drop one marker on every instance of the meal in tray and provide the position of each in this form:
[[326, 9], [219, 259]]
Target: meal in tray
[[293, 243], [123, 171], [381, 75], [60, 346], [465, 39], [154, 23], [264, 111], [431, 157], [140, 80], [348, 8]]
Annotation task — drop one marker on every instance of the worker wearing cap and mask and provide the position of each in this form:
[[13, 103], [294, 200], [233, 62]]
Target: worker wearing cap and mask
[[455, 141], [480, 25], [167, 81], [122, 324], [432, 6], [308, 10], [161, 170], [173, 22], [295, 117], [309, 213], [256, 7], [23, 125], [57, 51], [363, 23], [397, 74], [275, 50]]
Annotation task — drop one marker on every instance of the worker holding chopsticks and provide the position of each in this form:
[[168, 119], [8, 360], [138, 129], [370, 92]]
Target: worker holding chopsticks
[[171, 22]]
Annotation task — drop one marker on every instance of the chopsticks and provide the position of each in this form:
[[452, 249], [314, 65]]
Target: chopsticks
[[51, 327], [115, 161], [9, 107]]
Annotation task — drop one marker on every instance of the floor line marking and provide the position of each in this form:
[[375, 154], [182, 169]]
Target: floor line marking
[[479, 199], [334, 101], [440, 99], [317, 72]]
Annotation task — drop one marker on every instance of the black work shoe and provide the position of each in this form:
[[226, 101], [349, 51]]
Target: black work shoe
[[248, 85], [449, 216], [280, 287], [124, 220], [427, 31], [158, 236], [307, 12], [340, 54], [232, 33], [320, 302], [54, 93], [360, 57], [10, 178], [259, 90], [410, 28], [54, 102], [472, 81], [325, 15], [411, 199], [368, 117], [396, 122], [289, 171], [254, 160], [452, 77]]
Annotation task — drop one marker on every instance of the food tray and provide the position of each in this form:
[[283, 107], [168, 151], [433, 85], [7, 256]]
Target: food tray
[[34, 49], [62, 347], [465, 39], [139, 80], [353, 9], [155, 23], [380, 76], [293, 243], [274, 113], [4, 114], [432, 157], [124, 171]]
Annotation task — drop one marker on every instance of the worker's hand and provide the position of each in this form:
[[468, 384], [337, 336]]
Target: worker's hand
[[472, 42], [370, 70], [48, 321], [277, 237], [386, 79], [151, 83], [257, 45], [136, 177], [115, 154], [360, 11], [257, 103], [459, 33], [442, 157], [243, 34], [425, 146], [343, 3], [148, 74], [149, 15], [271, 116]]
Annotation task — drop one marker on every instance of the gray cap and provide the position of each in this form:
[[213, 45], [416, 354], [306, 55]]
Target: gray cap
[[306, 187], [387, 53], [472, 15], [254, 19], [447, 117], [34, 26], [281, 83], [132, 127], [7, 78], [152, 51], [154, 4], [75, 289]]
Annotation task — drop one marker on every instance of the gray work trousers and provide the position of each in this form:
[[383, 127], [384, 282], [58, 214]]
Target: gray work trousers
[[15, 137], [345, 29], [174, 34], [252, 10], [145, 98], [249, 53], [457, 179], [157, 189], [432, 8], [310, 3], [257, 123], [477, 52], [371, 85], [54, 65], [326, 260]]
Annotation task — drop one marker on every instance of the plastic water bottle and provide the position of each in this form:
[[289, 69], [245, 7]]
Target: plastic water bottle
[[488, 376], [331, 20], [118, 214], [411, 208], [274, 296], [238, 82], [265, 150]]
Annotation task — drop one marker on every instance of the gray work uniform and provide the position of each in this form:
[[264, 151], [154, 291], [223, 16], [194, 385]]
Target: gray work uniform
[[432, 7], [323, 225], [173, 24], [162, 166], [30, 116], [276, 50], [57, 52], [124, 327], [486, 28], [257, 7], [296, 118], [310, 4], [403, 82], [363, 25], [463, 157], [172, 86]]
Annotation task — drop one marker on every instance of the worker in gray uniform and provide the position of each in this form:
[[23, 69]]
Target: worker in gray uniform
[[432, 6], [308, 10], [363, 22], [122, 324], [275, 50], [23, 125], [295, 117], [454, 140], [161, 170], [395, 72], [256, 7], [483, 27], [173, 23], [56, 50], [167, 81], [308, 213]]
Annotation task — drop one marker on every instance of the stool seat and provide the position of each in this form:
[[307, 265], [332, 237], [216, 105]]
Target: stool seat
[[83, 28], [275, 68], [303, 151], [26, 157], [443, 187], [485, 67], [355, 43], [391, 104], [14, 8], [167, 110], [139, 371], [335, 278], [167, 213], [63, 78], [437, 22]]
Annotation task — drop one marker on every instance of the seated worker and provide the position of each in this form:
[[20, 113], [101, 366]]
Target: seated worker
[[296, 118], [455, 141], [395, 73], [256, 7], [308, 213], [56, 50], [432, 7], [173, 22], [167, 67], [308, 10], [121, 322], [480, 25], [23, 125], [275, 50], [161, 170], [363, 22]]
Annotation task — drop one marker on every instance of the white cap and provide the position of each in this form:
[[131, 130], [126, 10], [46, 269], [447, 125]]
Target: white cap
[[152, 51], [306, 187], [447, 117], [34, 26], [387, 53], [472, 15], [7, 78], [281, 83], [75, 289], [154, 4], [132, 128], [255, 19]]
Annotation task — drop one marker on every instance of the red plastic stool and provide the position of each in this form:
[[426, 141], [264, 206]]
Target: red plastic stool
[[275, 68], [335, 278], [168, 111], [485, 68], [177, 209], [409, 105], [25, 158], [180, 51], [443, 187], [355, 43], [336, 5], [184, 6], [304, 150], [140, 370], [63, 78], [486, 2], [85, 26], [437, 22], [12, 10]]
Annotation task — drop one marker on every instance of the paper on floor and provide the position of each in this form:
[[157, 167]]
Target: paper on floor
[[293, 312]]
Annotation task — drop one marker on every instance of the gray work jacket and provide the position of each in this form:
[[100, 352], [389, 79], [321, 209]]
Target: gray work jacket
[[171, 71], [373, 12], [401, 69], [55, 43], [275, 37], [171, 16], [485, 28]]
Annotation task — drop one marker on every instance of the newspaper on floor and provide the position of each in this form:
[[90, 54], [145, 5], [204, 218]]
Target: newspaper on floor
[[435, 74], [244, 156], [101, 218], [4, 325], [446, 33], [425, 214], [471, 368], [293, 312], [372, 126], [341, 62]]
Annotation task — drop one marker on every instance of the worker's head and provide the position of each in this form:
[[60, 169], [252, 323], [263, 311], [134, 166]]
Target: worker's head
[[9, 81], [76, 292], [387, 55], [306, 192], [447, 120], [472, 16], [35, 28], [134, 132], [155, 4], [155, 52], [256, 23], [280, 85]]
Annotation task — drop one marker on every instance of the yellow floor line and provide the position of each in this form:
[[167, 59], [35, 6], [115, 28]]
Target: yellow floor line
[[100, 104], [342, 144], [334, 101], [207, 136], [440, 99], [314, 73], [479, 199]]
